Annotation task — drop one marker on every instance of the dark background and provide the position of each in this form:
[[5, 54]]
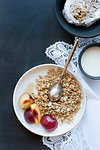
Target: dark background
[[27, 28]]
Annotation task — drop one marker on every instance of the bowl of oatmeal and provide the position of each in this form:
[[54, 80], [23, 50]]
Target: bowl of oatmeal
[[68, 111]]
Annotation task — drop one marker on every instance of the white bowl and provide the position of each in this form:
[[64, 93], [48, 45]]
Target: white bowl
[[30, 77]]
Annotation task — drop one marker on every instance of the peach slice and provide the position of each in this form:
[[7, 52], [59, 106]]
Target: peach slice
[[25, 101], [36, 112]]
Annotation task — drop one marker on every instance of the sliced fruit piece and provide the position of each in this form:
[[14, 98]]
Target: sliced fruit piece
[[29, 116], [25, 101], [36, 112], [48, 122]]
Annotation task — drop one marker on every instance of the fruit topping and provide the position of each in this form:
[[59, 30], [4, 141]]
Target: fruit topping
[[29, 116], [36, 112], [48, 122], [25, 101]]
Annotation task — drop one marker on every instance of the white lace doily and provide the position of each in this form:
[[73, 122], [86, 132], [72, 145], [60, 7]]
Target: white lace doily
[[74, 139]]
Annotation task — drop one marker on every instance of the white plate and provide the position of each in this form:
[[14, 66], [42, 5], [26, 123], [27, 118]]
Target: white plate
[[30, 77]]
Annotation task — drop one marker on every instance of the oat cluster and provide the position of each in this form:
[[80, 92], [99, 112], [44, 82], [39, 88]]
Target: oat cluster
[[80, 13], [69, 103]]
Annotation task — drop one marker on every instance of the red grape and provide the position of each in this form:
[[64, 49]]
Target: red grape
[[48, 122], [29, 116]]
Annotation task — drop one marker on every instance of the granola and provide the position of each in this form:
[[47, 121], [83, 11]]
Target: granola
[[80, 13], [69, 103]]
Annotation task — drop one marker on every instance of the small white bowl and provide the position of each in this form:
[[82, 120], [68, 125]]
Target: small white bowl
[[93, 65], [30, 77]]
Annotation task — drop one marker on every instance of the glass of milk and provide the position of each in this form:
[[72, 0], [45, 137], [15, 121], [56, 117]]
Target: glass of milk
[[89, 61]]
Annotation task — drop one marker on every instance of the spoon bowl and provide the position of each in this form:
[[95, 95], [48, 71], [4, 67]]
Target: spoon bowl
[[55, 92]]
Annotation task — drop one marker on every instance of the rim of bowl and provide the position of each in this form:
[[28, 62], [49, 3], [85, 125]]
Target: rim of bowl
[[80, 65]]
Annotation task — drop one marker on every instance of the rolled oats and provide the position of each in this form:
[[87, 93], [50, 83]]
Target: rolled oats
[[69, 103]]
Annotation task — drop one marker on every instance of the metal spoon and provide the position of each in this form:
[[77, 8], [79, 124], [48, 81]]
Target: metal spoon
[[55, 91]]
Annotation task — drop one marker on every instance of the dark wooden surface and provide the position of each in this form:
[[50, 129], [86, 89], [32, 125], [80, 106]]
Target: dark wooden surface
[[27, 28]]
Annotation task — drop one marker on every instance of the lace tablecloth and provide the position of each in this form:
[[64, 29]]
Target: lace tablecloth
[[86, 135]]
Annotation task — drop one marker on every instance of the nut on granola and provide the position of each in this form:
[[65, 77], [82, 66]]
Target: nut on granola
[[79, 13]]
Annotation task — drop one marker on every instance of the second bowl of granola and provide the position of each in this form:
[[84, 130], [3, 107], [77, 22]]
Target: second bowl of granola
[[80, 31], [68, 111]]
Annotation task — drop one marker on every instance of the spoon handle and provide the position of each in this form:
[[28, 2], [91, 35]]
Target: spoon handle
[[69, 58]]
